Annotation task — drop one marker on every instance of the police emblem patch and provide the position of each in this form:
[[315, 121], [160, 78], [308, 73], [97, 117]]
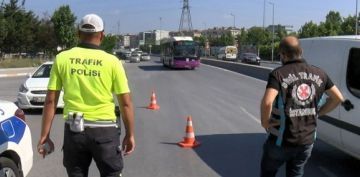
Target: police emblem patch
[[303, 94]]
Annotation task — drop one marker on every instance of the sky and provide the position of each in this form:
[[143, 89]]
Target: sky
[[133, 16]]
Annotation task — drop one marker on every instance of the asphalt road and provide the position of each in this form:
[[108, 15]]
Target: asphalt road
[[225, 111]]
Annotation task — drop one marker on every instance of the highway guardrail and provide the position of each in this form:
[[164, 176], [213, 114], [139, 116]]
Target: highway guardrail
[[258, 72]]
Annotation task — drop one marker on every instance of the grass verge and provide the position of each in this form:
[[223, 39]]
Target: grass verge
[[20, 63]]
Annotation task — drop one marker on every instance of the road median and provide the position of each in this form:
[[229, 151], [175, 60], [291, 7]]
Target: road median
[[258, 72]]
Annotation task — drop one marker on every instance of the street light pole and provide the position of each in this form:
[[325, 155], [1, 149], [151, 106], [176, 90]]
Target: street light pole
[[160, 31], [356, 19], [234, 19], [264, 14], [273, 31]]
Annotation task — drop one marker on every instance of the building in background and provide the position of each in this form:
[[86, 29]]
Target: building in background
[[146, 38], [193, 33], [217, 32], [126, 41], [160, 34]]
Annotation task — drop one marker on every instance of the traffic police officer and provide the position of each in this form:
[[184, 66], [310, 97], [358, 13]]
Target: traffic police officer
[[89, 76], [289, 110]]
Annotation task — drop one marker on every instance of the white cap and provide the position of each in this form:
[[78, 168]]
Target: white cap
[[91, 23]]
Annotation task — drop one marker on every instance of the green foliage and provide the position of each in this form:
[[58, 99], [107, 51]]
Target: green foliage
[[64, 25], [3, 28], [20, 63], [348, 25], [333, 23], [223, 40], [242, 38], [109, 43], [46, 39], [310, 29], [20, 26], [258, 36], [201, 40]]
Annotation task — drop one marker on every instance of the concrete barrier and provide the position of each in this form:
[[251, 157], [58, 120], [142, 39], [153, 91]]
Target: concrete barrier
[[258, 72]]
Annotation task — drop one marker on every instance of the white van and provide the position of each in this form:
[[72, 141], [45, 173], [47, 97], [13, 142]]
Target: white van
[[340, 57], [227, 53]]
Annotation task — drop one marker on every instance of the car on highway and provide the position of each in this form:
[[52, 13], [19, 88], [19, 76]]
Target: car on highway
[[32, 92], [145, 57], [249, 58], [135, 57], [16, 153]]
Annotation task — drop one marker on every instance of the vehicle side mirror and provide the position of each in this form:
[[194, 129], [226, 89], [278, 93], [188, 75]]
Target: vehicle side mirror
[[28, 75], [347, 105]]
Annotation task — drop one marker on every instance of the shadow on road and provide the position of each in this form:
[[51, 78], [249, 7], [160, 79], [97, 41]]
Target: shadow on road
[[154, 68], [160, 68], [232, 154], [240, 154]]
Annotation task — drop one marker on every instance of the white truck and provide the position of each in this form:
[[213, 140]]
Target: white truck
[[227, 53], [340, 57]]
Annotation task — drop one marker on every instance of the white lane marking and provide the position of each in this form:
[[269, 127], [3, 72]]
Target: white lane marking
[[327, 172], [234, 72], [250, 115]]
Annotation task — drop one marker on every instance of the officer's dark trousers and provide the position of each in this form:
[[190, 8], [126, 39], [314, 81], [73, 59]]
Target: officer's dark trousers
[[274, 156], [101, 144]]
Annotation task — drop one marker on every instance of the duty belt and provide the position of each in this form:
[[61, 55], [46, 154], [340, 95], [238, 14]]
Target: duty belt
[[94, 124]]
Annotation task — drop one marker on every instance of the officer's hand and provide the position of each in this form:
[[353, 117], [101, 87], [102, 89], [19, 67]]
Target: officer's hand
[[270, 123], [42, 149], [128, 145]]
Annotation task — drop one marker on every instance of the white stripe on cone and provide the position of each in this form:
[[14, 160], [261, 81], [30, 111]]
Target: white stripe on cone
[[190, 135]]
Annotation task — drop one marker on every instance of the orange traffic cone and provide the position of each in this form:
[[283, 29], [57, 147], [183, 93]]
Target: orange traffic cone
[[153, 105], [189, 139]]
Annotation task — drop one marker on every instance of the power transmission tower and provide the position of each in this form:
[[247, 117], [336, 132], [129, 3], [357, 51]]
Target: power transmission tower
[[185, 21]]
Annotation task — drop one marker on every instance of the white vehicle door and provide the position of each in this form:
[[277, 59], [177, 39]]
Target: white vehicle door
[[350, 131], [314, 55]]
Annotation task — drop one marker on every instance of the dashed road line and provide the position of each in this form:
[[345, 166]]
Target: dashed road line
[[250, 115]]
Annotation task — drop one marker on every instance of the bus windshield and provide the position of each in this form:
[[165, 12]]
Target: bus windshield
[[184, 48]]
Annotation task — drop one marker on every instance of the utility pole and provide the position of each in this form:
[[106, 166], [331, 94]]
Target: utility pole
[[233, 18], [185, 21], [160, 31], [273, 31], [118, 27], [264, 14], [356, 18]]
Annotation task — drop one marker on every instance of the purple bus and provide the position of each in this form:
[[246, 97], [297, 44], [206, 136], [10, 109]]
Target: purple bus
[[180, 52]]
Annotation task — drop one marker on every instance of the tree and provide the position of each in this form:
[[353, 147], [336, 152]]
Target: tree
[[242, 37], [108, 43], [333, 23], [258, 36], [348, 25], [64, 25], [3, 28], [45, 37], [200, 40], [309, 29], [280, 33], [20, 27]]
